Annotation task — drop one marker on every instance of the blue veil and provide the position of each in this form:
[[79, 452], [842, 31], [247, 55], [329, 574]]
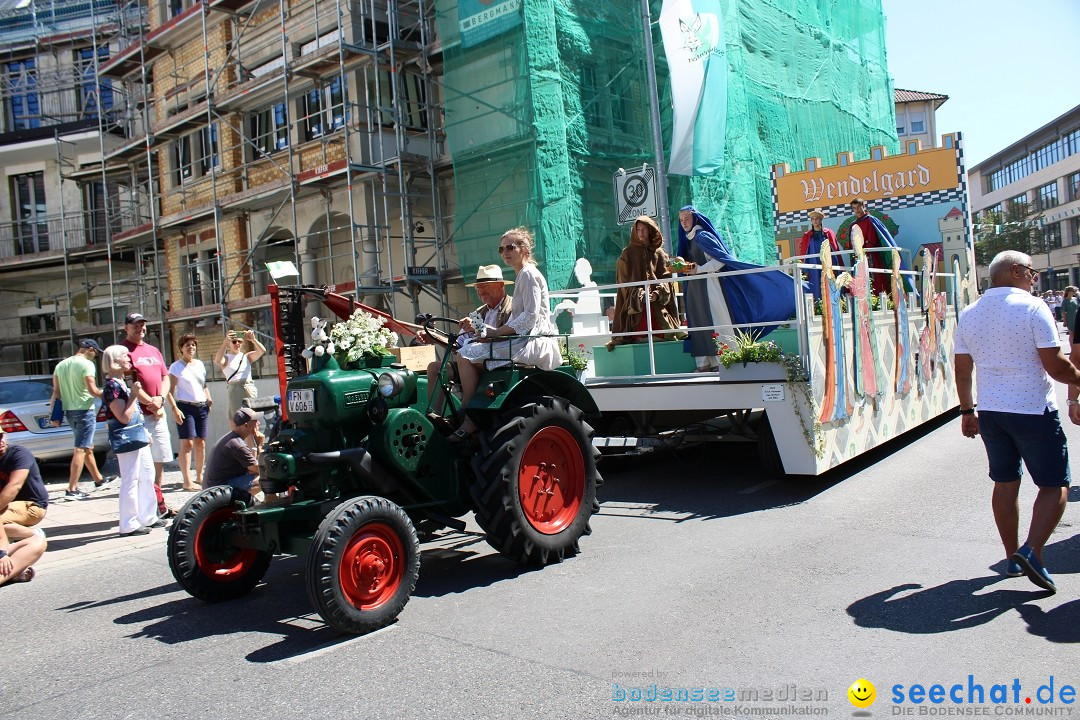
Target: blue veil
[[755, 298]]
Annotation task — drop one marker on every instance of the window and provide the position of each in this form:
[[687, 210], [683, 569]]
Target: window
[[178, 6], [28, 212], [1052, 237], [411, 105], [1018, 200], [1046, 197], [269, 130], [917, 122], [182, 167], [202, 284], [1042, 157], [208, 149], [1074, 239], [23, 104], [900, 129], [317, 121], [1072, 184], [94, 93], [101, 211]]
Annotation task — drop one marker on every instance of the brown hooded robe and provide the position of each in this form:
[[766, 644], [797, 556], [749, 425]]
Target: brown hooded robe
[[638, 262]]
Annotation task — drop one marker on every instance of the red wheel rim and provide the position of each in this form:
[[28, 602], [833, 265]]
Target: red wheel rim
[[551, 479], [217, 560], [372, 566]]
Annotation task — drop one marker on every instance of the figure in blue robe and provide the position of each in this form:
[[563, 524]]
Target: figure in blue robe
[[733, 300]]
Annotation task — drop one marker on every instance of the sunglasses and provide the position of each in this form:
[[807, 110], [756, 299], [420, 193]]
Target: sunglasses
[[507, 248], [1033, 271], [236, 342]]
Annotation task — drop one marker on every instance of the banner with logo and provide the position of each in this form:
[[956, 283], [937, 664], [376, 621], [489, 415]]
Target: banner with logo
[[693, 35], [482, 20]]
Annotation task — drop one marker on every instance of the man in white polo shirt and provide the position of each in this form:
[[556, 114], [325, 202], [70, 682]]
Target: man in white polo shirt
[[1012, 338]]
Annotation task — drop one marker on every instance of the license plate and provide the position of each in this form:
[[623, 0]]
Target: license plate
[[44, 421], [302, 401]]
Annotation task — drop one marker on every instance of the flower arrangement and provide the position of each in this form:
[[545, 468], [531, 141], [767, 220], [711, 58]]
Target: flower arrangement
[[744, 348], [576, 358], [362, 335]]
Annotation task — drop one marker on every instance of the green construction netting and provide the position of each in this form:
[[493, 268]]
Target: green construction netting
[[546, 99]]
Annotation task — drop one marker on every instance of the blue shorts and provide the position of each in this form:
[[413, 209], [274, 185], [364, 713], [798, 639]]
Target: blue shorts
[[195, 417], [1037, 440], [242, 482], [82, 423]]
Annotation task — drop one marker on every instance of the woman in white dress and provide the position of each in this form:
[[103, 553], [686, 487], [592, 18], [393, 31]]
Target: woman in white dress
[[530, 315]]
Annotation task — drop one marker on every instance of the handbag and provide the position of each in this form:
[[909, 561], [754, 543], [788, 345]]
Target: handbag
[[130, 437]]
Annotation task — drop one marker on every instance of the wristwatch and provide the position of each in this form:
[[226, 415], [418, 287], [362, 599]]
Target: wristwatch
[[1072, 402]]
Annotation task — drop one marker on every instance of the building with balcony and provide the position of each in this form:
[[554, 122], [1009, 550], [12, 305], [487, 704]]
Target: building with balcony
[[1042, 172], [379, 147], [65, 273]]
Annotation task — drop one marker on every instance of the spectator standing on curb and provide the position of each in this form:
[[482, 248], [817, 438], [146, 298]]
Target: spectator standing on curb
[[17, 558], [75, 385], [235, 363], [149, 368], [138, 501], [23, 497], [1012, 338], [1069, 305], [191, 404]]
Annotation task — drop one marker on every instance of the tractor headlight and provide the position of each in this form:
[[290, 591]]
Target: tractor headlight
[[390, 385]]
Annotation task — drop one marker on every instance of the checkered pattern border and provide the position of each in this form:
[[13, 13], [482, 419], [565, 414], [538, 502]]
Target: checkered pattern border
[[957, 194], [775, 198]]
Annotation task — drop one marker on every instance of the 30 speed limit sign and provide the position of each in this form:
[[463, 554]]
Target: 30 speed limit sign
[[635, 193]]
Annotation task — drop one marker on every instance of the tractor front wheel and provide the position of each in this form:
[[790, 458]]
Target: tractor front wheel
[[535, 482], [363, 564], [202, 556]]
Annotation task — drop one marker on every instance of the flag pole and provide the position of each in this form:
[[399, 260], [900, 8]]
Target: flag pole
[[658, 136]]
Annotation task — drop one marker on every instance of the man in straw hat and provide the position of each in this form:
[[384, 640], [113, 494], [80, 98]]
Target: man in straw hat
[[811, 243], [494, 311]]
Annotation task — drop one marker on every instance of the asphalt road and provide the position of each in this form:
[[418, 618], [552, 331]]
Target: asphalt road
[[697, 574]]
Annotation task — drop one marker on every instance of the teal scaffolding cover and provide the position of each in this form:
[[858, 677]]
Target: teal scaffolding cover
[[544, 100]]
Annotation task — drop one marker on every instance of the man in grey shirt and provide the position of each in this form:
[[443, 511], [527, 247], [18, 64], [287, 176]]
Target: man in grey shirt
[[232, 461]]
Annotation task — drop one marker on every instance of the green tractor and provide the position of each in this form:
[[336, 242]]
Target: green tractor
[[363, 469]]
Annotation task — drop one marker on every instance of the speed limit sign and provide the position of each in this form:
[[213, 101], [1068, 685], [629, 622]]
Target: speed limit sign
[[635, 193]]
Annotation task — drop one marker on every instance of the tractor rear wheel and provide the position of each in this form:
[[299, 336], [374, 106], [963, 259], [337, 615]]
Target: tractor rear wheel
[[363, 564], [535, 481], [201, 556]]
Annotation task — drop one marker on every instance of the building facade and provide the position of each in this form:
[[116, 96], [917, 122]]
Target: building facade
[[916, 116], [1041, 171], [380, 148]]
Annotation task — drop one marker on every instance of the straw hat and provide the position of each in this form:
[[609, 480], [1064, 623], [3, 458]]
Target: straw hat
[[489, 273], [818, 213]]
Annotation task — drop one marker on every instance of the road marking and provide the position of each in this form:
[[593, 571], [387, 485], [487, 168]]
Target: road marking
[[759, 486], [335, 646]]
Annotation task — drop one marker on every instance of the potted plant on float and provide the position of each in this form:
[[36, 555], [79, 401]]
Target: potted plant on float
[[746, 359]]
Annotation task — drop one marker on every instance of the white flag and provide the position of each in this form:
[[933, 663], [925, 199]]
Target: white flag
[[697, 64]]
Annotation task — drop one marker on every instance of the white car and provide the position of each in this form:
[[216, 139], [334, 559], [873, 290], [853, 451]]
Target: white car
[[24, 416]]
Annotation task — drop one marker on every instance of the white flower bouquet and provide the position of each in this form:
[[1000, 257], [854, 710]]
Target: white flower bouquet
[[362, 335]]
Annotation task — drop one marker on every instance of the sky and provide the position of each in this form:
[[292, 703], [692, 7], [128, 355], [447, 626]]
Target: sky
[[1008, 67]]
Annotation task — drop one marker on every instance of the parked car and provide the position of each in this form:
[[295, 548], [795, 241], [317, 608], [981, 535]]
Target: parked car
[[24, 416]]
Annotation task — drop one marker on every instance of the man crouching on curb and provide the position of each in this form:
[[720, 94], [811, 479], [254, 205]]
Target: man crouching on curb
[[1012, 338], [232, 461]]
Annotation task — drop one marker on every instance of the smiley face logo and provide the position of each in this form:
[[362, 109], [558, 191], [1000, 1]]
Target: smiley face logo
[[862, 693]]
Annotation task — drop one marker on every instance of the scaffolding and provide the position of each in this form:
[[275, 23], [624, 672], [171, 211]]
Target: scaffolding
[[249, 132]]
